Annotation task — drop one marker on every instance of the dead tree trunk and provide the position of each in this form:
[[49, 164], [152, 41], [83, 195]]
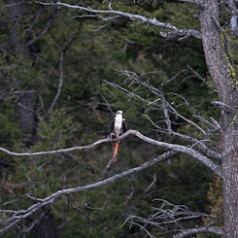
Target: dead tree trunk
[[16, 11], [225, 80], [46, 228], [27, 110]]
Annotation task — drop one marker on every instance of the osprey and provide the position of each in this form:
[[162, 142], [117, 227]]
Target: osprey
[[118, 128]]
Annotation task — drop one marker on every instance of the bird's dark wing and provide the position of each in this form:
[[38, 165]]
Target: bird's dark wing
[[112, 126], [124, 126]]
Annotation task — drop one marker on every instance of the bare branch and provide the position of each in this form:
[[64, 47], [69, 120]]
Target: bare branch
[[166, 107], [197, 2], [222, 105], [152, 21], [178, 148], [61, 80], [23, 214], [197, 74], [50, 152], [200, 144], [187, 120], [165, 214], [203, 229]]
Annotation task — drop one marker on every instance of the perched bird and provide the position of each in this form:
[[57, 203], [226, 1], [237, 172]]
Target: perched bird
[[118, 128]]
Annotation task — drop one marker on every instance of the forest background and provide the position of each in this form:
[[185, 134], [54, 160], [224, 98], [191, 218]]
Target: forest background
[[63, 75]]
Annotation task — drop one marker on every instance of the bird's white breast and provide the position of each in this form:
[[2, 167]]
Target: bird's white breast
[[118, 124]]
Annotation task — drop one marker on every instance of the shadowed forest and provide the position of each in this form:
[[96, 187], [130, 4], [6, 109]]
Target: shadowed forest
[[64, 73]]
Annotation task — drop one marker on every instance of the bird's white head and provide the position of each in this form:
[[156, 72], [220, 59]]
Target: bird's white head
[[119, 112]]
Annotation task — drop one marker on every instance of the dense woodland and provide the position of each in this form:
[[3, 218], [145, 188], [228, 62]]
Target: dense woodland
[[64, 73]]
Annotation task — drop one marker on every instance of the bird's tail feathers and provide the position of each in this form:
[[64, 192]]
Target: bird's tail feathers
[[115, 151]]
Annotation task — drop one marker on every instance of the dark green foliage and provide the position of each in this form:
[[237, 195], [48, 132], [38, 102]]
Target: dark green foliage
[[95, 52]]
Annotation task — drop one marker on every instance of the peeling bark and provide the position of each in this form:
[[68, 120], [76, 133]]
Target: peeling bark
[[218, 66], [230, 171]]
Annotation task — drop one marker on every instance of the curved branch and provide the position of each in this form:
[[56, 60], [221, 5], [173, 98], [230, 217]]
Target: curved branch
[[178, 148], [203, 229], [152, 21], [22, 214], [202, 147], [61, 80]]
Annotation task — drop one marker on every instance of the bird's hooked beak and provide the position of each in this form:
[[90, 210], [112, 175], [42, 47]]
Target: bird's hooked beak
[[119, 112]]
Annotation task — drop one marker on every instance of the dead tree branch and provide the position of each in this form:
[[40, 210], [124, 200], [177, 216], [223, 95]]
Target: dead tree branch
[[167, 108], [175, 32], [60, 84], [178, 148], [17, 216], [165, 214], [199, 230]]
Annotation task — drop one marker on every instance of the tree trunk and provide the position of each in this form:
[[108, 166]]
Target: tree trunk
[[230, 181], [27, 110], [47, 227], [16, 11], [220, 70]]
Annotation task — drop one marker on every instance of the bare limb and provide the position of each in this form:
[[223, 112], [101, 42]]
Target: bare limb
[[152, 21], [178, 148], [203, 229], [107, 167], [183, 149], [60, 85], [50, 152], [197, 74], [187, 120], [167, 107], [197, 2], [136, 80], [222, 105], [165, 214], [23, 214]]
